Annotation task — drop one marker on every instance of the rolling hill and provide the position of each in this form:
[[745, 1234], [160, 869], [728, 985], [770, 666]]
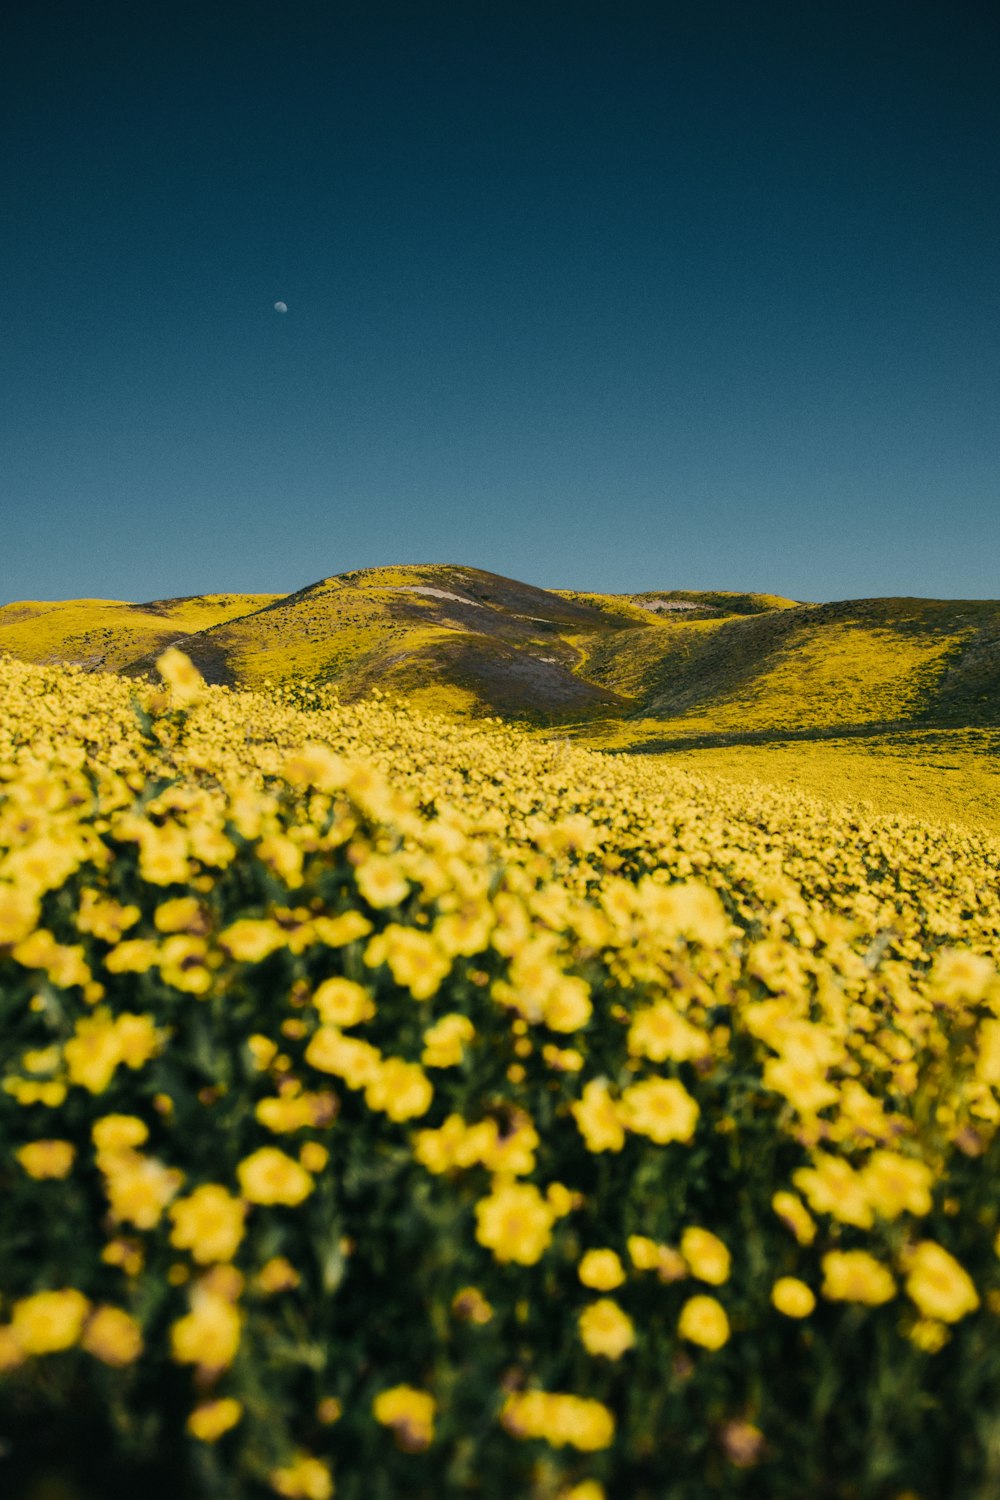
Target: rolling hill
[[654, 670]]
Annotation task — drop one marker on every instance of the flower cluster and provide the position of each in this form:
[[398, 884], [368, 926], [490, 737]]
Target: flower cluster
[[396, 1106]]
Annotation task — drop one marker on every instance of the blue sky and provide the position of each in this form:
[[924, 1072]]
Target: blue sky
[[600, 295]]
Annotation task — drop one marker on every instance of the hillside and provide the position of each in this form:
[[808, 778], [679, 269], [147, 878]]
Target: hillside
[[109, 634], [663, 669]]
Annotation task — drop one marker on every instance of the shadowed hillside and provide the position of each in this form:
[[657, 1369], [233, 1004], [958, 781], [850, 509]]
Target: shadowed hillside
[[453, 638]]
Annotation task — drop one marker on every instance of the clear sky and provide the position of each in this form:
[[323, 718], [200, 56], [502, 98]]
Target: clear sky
[[621, 295]]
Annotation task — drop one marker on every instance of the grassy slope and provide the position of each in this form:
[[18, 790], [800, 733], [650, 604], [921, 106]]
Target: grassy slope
[[108, 634]]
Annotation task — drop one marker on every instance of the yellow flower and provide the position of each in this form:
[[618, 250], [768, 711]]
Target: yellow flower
[[833, 1187], [306, 1478], [47, 1158], [138, 1187], [209, 1335], [856, 1276], [112, 1336], [49, 1321], [959, 975], [400, 1089], [341, 1002], [212, 1418], [19, 913], [792, 1297], [277, 1275], [598, 1118], [703, 1321], [561, 1419], [567, 1006], [313, 1156], [262, 1050], [660, 1032], [515, 1222], [180, 914], [414, 958], [939, 1286], [660, 1108], [381, 881], [293, 1112], [602, 1270], [605, 1329], [250, 940], [706, 1256], [410, 1414], [793, 1214], [897, 1184], [209, 1223], [444, 1042], [178, 671], [93, 1052], [118, 1132], [269, 1176], [354, 1061], [138, 1039], [588, 1489], [929, 1335], [125, 1254], [316, 765]]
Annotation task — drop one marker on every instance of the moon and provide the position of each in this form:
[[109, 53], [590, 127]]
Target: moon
[[281, 307]]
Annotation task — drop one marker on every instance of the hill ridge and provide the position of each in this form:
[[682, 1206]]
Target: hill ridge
[[670, 666]]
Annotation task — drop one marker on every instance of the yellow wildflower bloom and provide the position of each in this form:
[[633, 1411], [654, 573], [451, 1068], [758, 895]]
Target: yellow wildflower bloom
[[410, 1414], [112, 1336], [269, 1176], [792, 1297], [706, 1256], [940, 1287], [602, 1270], [515, 1222], [445, 1041], [209, 1335], [660, 1108], [856, 1276], [561, 1419], [305, 1478], [209, 1223], [341, 1002], [43, 1159], [211, 1419], [605, 1329], [400, 1089], [703, 1321], [49, 1321], [598, 1118], [119, 1132]]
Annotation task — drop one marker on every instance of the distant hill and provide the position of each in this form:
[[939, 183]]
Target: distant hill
[[679, 667], [108, 634]]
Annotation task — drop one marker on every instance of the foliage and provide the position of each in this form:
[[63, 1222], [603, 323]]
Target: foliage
[[425, 1109]]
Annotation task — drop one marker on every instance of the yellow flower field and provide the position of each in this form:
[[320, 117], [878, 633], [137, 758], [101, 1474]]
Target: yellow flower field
[[396, 1107]]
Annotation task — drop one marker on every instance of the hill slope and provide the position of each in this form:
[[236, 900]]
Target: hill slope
[[671, 668], [109, 634]]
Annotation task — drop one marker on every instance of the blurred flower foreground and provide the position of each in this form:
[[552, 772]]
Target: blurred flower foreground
[[391, 1108]]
